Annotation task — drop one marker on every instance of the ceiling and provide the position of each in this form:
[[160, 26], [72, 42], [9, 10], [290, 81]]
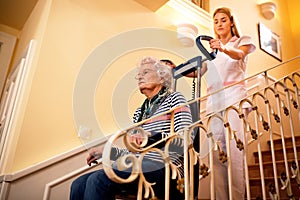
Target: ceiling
[[14, 13]]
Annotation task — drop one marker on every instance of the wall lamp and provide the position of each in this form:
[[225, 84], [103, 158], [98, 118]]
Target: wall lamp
[[268, 9], [186, 33]]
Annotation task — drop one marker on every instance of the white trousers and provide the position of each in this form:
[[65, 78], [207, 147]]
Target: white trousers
[[237, 163]]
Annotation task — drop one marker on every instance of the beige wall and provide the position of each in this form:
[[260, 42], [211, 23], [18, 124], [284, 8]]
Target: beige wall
[[33, 30], [66, 38], [73, 30], [293, 7]]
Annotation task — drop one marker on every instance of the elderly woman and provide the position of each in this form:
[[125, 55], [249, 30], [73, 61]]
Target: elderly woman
[[155, 82]]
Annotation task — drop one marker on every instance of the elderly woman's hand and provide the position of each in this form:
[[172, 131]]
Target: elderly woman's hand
[[138, 138], [94, 154]]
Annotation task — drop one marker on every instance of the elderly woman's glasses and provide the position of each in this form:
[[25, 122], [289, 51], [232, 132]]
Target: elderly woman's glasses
[[144, 73]]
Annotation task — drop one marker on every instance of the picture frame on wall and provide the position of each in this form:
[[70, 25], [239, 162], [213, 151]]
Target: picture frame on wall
[[269, 41]]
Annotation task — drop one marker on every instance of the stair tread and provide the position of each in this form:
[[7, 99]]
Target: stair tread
[[277, 149], [266, 178], [286, 138], [270, 162], [255, 178]]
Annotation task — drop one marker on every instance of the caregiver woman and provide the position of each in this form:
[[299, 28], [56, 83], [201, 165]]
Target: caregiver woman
[[227, 68]]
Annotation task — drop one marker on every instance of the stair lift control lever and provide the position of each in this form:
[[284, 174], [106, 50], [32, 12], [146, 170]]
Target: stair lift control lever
[[209, 56]]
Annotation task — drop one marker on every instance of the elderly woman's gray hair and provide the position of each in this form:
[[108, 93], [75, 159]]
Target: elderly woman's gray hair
[[162, 70]]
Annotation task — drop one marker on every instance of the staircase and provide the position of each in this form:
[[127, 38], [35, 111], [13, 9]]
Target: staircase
[[254, 173], [275, 108]]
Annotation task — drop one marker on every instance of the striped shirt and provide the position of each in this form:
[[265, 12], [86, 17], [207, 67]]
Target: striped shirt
[[159, 127]]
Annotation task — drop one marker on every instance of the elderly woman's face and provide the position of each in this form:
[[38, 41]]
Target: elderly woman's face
[[147, 77]]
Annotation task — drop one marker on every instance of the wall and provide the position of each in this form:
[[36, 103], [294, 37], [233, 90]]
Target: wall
[[33, 30], [293, 7], [72, 30], [68, 32], [10, 35]]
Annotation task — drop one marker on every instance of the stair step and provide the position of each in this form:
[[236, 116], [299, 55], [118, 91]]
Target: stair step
[[268, 169], [267, 156], [288, 142], [256, 190], [254, 173]]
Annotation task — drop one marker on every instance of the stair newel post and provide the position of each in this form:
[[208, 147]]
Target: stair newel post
[[296, 89], [243, 117], [286, 183], [228, 138], [213, 147], [211, 166], [261, 168], [268, 108], [288, 98]]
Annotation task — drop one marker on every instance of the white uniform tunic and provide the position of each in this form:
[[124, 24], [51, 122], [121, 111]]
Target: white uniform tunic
[[224, 71]]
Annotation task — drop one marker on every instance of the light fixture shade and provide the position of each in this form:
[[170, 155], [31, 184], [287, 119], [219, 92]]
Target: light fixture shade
[[268, 9], [186, 33]]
